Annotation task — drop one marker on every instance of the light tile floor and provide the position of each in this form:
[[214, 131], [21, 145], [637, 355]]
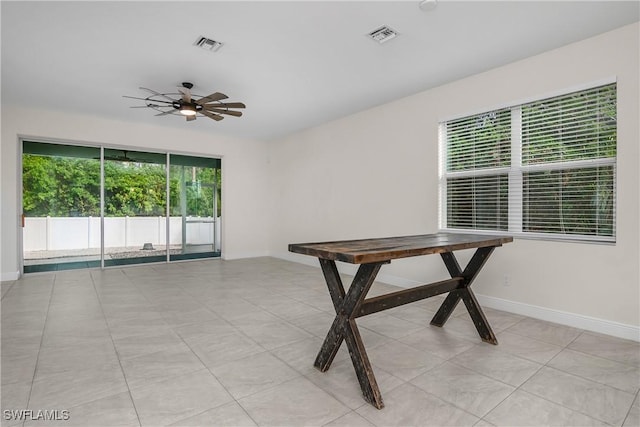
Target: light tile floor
[[232, 343]]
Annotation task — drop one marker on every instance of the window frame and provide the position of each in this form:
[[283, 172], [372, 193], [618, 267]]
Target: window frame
[[516, 171]]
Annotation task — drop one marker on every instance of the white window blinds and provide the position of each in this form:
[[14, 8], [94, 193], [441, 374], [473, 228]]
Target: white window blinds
[[546, 168], [477, 162], [479, 142]]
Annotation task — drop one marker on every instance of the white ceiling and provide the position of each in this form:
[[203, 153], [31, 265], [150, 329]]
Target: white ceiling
[[295, 64]]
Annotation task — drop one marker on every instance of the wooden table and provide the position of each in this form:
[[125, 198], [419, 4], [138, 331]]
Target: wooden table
[[371, 254]]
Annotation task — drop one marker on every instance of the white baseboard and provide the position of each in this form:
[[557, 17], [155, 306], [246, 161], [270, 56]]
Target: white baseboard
[[300, 259], [6, 277], [580, 321], [240, 255]]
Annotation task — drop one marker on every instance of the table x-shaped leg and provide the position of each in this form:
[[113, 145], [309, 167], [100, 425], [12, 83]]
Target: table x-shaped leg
[[465, 293], [344, 326]]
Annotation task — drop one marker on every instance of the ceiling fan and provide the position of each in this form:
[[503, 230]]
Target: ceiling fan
[[186, 104]]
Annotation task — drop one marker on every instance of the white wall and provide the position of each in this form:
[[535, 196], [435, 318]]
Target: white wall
[[244, 166], [376, 174]]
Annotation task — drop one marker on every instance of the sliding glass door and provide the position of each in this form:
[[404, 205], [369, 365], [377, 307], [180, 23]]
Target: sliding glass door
[[195, 207], [135, 206], [91, 207], [61, 207]]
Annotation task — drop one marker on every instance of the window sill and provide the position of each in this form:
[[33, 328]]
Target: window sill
[[565, 238]]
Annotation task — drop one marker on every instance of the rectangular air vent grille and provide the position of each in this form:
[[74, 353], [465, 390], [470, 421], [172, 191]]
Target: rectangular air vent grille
[[383, 34], [208, 44]]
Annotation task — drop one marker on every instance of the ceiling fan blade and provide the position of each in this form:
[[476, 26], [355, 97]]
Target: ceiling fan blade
[[229, 112], [212, 116], [145, 99], [156, 93], [186, 94], [226, 105], [166, 112], [151, 106], [191, 118], [210, 98]]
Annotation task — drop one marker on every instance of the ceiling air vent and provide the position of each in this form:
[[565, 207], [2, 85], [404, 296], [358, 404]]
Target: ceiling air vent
[[383, 34], [208, 44]]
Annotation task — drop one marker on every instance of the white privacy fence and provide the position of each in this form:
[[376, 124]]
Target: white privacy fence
[[64, 233]]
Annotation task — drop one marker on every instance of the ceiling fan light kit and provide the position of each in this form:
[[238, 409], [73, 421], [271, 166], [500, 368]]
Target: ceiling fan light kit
[[188, 105], [188, 110]]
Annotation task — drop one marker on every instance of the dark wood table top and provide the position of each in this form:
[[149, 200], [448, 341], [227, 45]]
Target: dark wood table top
[[365, 251]]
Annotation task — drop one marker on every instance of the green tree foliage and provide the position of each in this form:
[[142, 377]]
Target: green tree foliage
[[134, 189], [478, 142], [60, 186], [200, 190], [575, 127], [67, 186]]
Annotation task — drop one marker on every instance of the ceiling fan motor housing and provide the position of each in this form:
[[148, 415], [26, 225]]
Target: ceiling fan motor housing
[[178, 105]]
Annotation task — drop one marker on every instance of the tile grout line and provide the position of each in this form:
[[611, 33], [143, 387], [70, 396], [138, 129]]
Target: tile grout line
[[268, 351], [196, 355], [546, 365], [516, 388], [218, 380], [595, 355], [586, 378], [206, 307], [93, 282], [8, 289], [44, 326], [631, 407]]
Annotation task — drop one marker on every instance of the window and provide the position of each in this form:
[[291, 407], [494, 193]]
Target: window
[[541, 169]]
